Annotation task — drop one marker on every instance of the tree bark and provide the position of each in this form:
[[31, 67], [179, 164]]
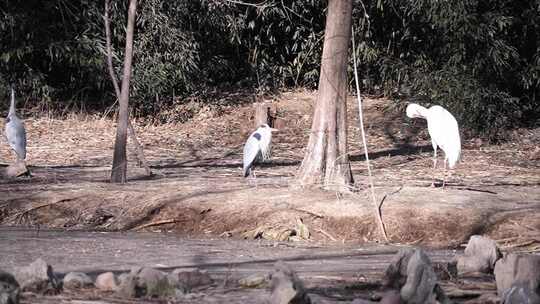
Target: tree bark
[[326, 161], [131, 131], [265, 113], [119, 168], [262, 114]]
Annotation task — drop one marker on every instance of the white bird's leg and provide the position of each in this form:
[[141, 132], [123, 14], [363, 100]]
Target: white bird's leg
[[434, 164], [444, 173], [252, 178], [434, 157]]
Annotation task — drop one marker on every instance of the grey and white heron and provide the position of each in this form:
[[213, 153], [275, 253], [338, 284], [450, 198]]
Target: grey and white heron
[[257, 147], [15, 132], [443, 130]]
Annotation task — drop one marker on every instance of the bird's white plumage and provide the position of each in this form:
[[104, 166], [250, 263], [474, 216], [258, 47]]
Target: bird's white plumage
[[257, 147], [443, 130], [15, 131]]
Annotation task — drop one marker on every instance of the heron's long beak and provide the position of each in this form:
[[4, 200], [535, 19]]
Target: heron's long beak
[[273, 130]]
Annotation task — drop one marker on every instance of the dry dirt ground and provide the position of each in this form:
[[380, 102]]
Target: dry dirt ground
[[335, 274], [197, 188]]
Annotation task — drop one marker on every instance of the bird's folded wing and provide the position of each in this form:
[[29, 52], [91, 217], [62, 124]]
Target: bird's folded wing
[[251, 150]]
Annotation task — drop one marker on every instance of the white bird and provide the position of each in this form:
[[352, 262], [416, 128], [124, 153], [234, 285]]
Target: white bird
[[15, 132], [443, 130], [257, 147]]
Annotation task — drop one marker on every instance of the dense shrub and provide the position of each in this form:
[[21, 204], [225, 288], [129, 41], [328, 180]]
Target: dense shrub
[[481, 59]]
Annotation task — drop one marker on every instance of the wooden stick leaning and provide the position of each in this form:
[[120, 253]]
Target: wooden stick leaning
[[370, 179]]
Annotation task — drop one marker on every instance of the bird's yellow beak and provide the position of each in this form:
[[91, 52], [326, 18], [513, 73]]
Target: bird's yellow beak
[[273, 130]]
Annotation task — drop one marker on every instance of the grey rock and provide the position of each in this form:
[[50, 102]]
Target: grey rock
[[396, 273], [76, 280], [480, 255], [128, 287], [518, 274], [286, 287], [128, 284], [412, 273], [155, 282], [446, 271], [123, 277], [520, 293], [254, 281], [106, 281], [145, 282], [9, 289], [421, 280], [188, 279], [37, 277], [391, 297]]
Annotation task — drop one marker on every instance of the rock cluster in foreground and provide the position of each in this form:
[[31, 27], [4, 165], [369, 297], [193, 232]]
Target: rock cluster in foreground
[[411, 278]]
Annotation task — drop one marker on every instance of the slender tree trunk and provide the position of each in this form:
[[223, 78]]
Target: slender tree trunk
[[119, 168], [131, 131], [326, 161], [262, 114]]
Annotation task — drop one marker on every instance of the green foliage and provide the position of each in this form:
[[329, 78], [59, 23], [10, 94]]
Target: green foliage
[[284, 40], [47, 49], [477, 58], [480, 59]]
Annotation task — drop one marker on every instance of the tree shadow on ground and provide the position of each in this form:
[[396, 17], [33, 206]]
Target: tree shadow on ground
[[402, 150], [384, 254]]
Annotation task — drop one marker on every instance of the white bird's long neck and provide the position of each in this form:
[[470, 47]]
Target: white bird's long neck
[[12, 105], [422, 111]]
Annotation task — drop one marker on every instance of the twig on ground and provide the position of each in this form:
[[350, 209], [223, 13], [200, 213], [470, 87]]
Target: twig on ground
[[328, 235], [34, 208], [159, 223], [472, 189], [520, 244], [317, 215], [530, 250]]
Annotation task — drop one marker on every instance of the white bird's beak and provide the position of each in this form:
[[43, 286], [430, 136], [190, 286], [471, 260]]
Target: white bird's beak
[[273, 130]]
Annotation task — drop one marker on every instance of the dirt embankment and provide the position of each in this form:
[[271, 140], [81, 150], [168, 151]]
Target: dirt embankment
[[197, 187]]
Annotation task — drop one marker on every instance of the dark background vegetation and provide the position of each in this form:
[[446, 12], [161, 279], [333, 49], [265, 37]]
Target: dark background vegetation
[[480, 59]]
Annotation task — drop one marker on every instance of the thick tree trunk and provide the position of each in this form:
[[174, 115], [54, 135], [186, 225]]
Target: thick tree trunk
[[119, 168], [326, 160]]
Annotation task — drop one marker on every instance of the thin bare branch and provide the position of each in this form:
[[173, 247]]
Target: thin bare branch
[[112, 74]]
